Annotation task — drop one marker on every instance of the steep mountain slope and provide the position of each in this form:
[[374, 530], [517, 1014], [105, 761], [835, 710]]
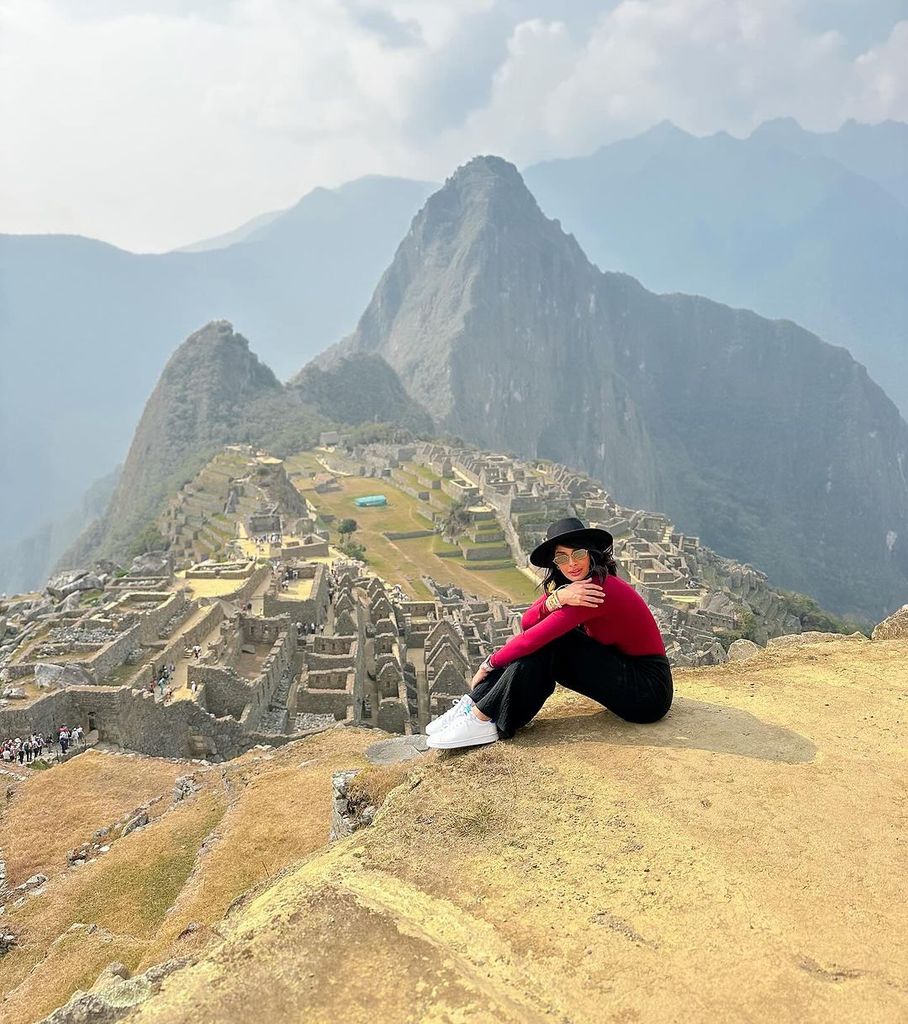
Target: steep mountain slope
[[359, 389], [26, 564], [86, 327], [775, 447], [213, 390], [781, 223]]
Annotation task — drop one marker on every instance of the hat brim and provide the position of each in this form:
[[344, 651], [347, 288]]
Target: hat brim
[[541, 556]]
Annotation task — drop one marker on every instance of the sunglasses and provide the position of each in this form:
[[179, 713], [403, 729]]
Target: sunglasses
[[577, 555]]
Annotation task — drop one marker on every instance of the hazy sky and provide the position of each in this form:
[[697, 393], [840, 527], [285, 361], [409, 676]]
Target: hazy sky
[[152, 125]]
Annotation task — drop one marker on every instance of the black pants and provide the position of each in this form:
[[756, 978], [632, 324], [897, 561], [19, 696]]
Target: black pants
[[635, 688]]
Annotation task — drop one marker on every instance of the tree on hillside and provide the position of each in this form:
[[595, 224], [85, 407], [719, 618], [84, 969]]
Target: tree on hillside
[[353, 550], [347, 526]]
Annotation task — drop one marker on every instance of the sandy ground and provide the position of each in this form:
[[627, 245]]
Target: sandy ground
[[742, 860]]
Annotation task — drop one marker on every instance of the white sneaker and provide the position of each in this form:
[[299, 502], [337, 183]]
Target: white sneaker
[[443, 721], [465, 731]]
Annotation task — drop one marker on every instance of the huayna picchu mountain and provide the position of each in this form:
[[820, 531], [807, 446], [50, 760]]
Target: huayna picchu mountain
[[214, 391], [775, 447]]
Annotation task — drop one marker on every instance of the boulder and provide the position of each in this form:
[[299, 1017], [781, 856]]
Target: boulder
[[150, 564], [811, 637], [53, 677], [184, 786], [138, 821], [70, 603], [47, 675], [38, 609], [893, 628], [15, 693], [75, 674], [742, 649], [58, 586], [86, 582]]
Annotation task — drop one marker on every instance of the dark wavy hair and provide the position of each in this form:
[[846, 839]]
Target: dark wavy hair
[[602, 564]]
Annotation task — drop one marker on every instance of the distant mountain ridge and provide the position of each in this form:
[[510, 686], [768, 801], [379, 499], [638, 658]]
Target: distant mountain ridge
[[772, 445], [809, 227], [788, 222]]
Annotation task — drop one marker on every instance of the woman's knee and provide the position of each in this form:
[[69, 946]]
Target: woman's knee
[[646, 712]]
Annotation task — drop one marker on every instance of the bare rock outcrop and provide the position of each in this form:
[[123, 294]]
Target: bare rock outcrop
[[811, 637], [114, 994], [742, 650], [893, 628]]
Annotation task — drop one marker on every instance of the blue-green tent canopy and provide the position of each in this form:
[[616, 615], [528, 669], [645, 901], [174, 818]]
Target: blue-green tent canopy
[[371, 499]]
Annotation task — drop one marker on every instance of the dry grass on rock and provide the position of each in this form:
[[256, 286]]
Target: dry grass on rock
[[60, 808], [252, 818]]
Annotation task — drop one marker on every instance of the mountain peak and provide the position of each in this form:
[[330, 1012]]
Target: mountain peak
[[664, 131], [485, 191], [483, 179], [217, 345], [486, 167]]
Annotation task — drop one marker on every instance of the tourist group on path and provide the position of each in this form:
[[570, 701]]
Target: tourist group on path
[[32, 747]]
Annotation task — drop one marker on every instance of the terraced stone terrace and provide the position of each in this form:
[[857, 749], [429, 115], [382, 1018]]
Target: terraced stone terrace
[[405, 560], [211, 588]]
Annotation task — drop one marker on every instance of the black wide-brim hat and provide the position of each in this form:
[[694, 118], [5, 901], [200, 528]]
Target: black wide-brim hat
[[569, 531]]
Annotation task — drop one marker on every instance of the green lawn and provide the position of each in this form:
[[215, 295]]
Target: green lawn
[[404, 561], [418, 469]]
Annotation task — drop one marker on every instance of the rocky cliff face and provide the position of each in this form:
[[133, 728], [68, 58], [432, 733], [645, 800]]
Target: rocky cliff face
[[775, 447], [786, 222]]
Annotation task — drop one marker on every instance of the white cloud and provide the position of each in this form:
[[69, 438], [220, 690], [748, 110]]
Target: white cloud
[[706, 65], [154, 125], [881, 80]]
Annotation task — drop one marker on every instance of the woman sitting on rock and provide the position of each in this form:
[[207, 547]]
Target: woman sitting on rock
[[590, 631]]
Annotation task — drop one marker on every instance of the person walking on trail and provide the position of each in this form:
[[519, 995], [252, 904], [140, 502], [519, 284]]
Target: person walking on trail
[[590, 631]]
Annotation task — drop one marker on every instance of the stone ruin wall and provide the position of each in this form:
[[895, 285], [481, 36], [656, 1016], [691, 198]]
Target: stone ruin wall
[[113, 654], [225, 692], [134, 720], [245, 592], [313, 608]]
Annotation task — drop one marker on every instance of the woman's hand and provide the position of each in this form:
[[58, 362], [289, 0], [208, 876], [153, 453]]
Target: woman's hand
[[583, 593], [481, 673]]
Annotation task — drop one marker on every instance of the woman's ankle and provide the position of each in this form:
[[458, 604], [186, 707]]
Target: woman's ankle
[[478, 714]]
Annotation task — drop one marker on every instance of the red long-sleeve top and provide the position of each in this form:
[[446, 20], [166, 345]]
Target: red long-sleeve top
[[622, 619]]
